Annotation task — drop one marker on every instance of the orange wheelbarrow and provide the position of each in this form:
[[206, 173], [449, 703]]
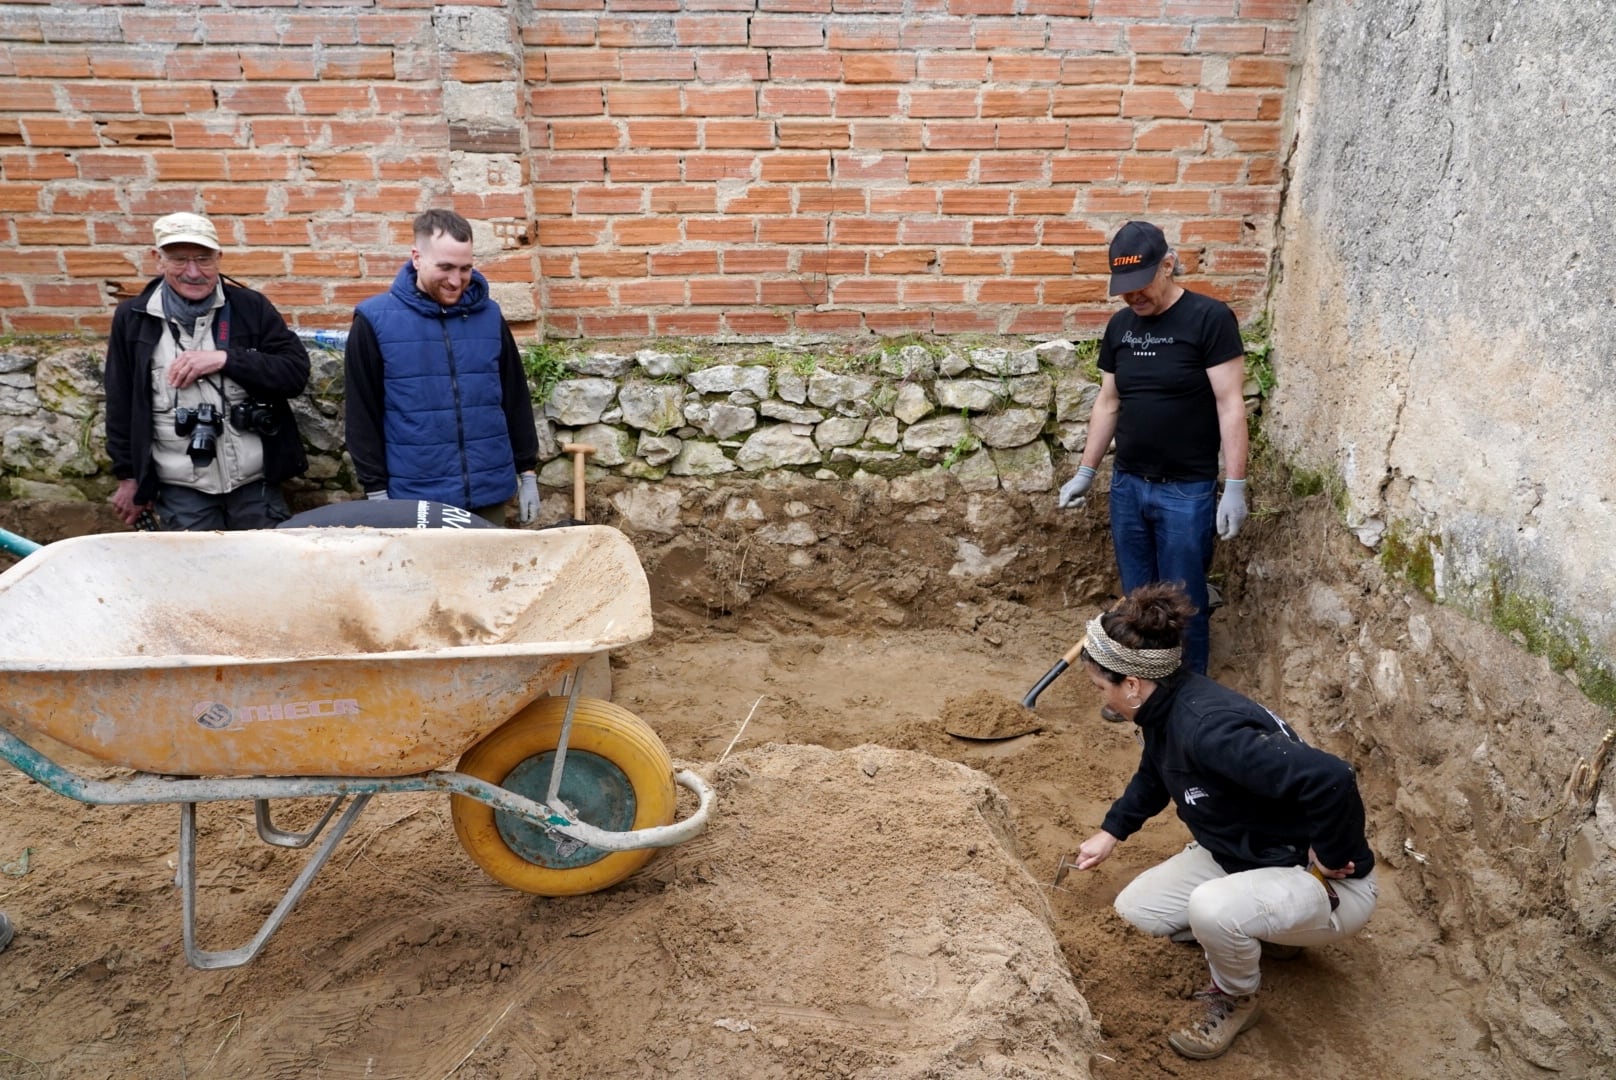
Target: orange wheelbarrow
[[340, 664]]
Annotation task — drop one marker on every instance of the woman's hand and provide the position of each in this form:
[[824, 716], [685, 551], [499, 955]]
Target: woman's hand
[[1344, 872], [1095, 850]]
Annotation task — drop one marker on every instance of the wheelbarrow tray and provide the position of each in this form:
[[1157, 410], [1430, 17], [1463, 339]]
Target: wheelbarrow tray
[[325, 652]]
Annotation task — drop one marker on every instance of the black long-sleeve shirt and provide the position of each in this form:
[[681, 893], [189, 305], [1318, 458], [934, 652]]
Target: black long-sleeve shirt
[[1249, 789]]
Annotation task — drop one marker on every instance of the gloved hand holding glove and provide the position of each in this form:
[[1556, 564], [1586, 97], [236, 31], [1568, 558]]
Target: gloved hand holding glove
[[1232, 509], [527, 498], [1073, 491]]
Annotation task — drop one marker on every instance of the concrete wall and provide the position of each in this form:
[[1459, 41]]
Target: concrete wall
[[737, 169], [1445, 301]]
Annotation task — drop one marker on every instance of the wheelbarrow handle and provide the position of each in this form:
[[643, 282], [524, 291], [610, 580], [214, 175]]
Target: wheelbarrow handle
[[17, 545]]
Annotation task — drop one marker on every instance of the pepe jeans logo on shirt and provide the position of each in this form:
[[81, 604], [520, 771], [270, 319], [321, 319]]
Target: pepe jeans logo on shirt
[[1145, 341], [1194, 795]]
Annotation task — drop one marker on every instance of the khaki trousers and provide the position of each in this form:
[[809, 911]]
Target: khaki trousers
[[1231, 915]]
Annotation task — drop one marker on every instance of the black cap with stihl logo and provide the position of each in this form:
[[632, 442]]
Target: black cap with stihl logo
[[1136, 251]]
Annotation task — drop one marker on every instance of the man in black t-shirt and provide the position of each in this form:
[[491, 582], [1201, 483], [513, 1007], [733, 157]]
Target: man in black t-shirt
[[1172, 365]]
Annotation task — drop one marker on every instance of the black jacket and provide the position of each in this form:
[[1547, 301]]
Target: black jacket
[[1251, 791], [263, 356]]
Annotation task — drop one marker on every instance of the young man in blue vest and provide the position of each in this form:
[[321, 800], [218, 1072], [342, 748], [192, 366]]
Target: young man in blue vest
[[437, 402]]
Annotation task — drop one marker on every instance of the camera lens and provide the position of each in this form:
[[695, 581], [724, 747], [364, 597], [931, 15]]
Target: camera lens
[[204, 425]]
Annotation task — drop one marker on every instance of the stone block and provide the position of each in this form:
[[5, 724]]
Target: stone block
[[727, 378], [777, 446], [945, 431], [701, 459], [912, 405], [1013, 427], [654, 407], [975, 395], [575, 402]]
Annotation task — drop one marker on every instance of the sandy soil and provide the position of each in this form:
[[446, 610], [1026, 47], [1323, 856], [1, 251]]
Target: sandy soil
[[873, 900]]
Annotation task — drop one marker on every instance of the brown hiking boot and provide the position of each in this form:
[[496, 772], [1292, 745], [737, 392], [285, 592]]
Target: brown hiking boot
[[1218, 1018]]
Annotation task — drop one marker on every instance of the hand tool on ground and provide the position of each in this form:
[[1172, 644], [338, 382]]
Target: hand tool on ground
[[1053, 673], [580, 454], [595, 673], [1067, 864]]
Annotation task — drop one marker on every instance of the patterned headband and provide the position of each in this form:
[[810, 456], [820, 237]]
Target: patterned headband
[[1145, 663]]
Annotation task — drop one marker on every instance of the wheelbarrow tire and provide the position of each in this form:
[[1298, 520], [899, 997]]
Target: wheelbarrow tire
[[610, 750]]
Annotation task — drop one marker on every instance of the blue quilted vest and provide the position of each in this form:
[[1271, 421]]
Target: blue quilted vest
[[443, 420]]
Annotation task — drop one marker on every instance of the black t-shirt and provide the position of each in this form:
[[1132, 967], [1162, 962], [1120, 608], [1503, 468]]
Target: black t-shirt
[[1167, 422], [387, 514]]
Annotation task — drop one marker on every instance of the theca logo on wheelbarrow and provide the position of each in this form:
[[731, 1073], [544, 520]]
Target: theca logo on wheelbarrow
[[211, 714]]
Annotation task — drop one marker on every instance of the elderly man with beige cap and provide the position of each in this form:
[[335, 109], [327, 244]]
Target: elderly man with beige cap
[[199, 372]]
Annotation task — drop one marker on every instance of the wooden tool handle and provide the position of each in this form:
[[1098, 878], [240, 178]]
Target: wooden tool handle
[[580, 453]]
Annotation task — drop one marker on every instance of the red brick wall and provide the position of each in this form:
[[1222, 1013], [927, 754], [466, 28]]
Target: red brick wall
[[649, 167]]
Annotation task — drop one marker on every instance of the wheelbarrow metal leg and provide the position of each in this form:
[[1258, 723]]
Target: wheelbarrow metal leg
[[227, 958], [551, 798], [269, 834]]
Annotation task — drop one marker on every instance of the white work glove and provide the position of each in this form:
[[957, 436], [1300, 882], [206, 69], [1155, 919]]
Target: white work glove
[[382, 494], [1072, 492], [1231, 509], [527, 498]]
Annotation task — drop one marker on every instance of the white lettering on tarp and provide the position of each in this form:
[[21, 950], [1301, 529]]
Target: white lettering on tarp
[[299, 710], [455, 518]]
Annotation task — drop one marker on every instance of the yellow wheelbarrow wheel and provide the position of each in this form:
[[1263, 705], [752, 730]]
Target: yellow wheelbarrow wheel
[[618, 776]]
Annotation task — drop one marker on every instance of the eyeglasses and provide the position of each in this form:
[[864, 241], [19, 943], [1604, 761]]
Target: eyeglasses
[[201, 262]]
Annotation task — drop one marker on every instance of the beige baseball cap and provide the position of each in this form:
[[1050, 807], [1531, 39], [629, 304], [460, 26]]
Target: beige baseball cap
[[184, 228]]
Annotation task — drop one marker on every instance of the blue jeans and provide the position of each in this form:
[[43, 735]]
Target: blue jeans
[[1164, 531]]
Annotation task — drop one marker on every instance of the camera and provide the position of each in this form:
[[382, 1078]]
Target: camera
[[254, 416], [204, 425]]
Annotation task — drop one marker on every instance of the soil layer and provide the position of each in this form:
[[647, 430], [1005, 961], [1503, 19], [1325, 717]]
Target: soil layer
[[873, 898]]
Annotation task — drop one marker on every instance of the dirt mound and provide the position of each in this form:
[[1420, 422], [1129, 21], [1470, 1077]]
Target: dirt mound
[[986, 716], [850, 913]]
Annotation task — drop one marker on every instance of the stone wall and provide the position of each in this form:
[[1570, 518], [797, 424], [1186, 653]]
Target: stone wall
[[1442, 340], [736, 169], [1442, 323], [1008, 417]]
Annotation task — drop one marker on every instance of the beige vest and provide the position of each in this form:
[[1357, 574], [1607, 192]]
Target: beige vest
[[239, 455]]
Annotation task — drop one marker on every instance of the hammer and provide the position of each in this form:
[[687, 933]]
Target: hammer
[[580, 453]]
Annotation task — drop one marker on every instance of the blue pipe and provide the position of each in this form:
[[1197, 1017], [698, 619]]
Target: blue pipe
[[17, 545]]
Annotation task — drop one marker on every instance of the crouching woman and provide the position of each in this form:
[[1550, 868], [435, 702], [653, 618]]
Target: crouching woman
[[1279, 854]]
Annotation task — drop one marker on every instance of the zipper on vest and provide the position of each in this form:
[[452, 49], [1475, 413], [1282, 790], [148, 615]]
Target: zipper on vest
[[460, 420]]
